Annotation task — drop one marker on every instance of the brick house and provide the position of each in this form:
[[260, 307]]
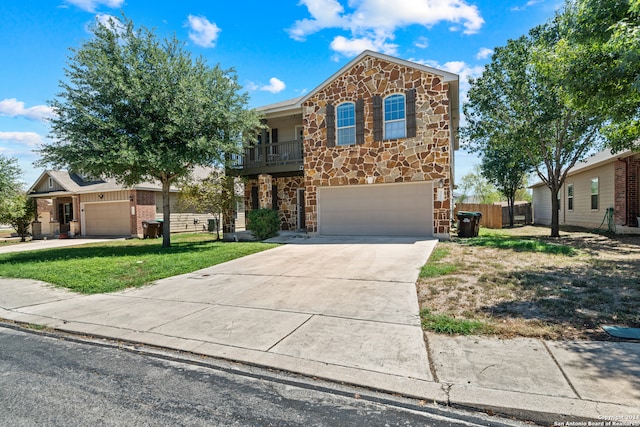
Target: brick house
[[367, 152], [594, 187], [77, 205]]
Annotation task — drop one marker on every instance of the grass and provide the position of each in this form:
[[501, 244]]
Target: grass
[[444, 324], [113, 266], [434, 267], [493, 239], [521, 282]]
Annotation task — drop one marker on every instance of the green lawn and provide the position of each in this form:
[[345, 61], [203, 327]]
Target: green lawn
[[112, 266]]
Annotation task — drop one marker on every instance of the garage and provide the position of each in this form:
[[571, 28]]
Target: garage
[[376, 210], [106, 219]]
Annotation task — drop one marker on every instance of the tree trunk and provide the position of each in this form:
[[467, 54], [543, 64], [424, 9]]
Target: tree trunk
[[555, 213], [166, 213], [511, 202]]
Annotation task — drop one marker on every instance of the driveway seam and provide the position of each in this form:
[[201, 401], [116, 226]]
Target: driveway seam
[[561, 370], [290, 333]]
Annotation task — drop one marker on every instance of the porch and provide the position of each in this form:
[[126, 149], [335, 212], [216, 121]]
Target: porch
[[276, 157]]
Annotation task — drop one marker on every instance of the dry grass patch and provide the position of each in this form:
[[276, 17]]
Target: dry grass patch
[[520, 282]]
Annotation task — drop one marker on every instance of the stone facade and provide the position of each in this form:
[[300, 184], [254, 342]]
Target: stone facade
[[287, 197], [425, 157]]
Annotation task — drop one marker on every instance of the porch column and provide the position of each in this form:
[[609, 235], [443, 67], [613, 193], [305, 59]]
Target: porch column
[[264, 191], [75, 211]]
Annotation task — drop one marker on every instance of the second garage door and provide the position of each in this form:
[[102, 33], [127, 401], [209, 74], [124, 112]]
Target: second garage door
[[376, 210], [107, 219]]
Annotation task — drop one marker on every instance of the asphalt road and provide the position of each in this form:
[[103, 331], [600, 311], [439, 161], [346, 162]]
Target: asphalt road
[[56, 380]]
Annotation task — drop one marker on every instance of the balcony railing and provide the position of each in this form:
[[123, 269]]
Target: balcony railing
[[282, 156]]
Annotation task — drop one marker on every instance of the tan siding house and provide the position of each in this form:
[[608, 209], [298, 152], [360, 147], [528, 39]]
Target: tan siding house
[[601, 189]]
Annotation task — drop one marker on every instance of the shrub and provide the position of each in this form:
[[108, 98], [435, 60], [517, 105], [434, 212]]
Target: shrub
[[264, 223]]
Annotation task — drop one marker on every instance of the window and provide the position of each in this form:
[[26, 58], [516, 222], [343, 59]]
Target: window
[[594, 193], [346, 123], [570, 197], [394, 117]]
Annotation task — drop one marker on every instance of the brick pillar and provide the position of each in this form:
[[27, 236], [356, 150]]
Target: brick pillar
[[620, 192], [265, 183]]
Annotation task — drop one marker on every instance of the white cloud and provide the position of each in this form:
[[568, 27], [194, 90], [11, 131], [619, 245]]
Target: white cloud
[[30, 139], [526, 6], [13, 108], [275, 85], [375, 21], [422, 42], [484, 53], [352, 47], [111, 22], [203, 32], [92, 5]]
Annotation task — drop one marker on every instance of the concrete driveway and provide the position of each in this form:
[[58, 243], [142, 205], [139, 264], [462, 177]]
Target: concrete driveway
[[333, 307]]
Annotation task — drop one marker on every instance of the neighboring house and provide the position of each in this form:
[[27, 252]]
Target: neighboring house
[[603, 181], [367, 152], [76, 205]]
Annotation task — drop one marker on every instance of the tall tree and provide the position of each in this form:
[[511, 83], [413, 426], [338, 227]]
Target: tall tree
[[18, 211], [506, 169], [139, 109], [518, 105], [598, 56], [475, 185], [10, 174]]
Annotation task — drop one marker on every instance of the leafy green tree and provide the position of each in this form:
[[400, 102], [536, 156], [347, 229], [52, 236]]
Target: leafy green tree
[[213, 194], [506, 169], [18, 211], [518, 105], [474, 185], [10, 174], [598, 56], [139, 109]]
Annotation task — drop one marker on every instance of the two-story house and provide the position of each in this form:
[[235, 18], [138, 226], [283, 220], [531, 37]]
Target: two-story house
[[367, 152]]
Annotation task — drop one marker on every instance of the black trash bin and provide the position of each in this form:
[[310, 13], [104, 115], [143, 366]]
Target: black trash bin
[[468, 224], [160, 227], [151, 229], [212, 225]]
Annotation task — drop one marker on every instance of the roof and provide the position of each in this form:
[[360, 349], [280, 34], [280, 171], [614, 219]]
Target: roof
[[77, 184], [595, 160], [296, 103]]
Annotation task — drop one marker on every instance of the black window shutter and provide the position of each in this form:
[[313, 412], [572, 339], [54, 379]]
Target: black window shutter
[[360, 121], [331, 125], [254, 198], [377, 118], [410, 99], [274, 197], [274, 135]]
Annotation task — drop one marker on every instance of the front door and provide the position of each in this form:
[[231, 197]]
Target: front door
[[64, 216], [302, 225]]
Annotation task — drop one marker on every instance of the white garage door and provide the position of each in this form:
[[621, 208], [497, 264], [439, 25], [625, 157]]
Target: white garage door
[[376, 210], [107, 219]]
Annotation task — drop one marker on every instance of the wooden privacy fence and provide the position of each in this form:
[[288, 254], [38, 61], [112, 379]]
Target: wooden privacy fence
[[497, 216]]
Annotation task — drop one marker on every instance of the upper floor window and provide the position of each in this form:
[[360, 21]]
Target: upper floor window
[[594, 193], [394, 117], [570, 197], [346, 123]]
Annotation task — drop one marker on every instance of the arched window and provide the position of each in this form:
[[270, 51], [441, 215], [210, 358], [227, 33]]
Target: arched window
[[394, 117], [346, 123]]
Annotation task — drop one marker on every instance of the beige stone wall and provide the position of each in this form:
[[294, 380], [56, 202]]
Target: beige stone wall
[[427, 157], [287, 197]]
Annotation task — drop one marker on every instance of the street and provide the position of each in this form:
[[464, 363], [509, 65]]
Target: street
[[57, 380]]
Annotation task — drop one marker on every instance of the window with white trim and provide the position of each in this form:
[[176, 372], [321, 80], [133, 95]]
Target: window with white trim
[[594, 193], [570, 197], [346, 123], [394, 117]]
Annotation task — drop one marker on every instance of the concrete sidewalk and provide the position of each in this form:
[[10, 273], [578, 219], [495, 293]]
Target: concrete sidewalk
[[34, 245], [346, 310]]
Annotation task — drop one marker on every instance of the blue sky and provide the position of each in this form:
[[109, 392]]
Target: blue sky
[[279, 49]]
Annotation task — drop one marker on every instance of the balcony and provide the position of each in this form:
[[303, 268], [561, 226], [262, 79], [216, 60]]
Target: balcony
[[277, 157]]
